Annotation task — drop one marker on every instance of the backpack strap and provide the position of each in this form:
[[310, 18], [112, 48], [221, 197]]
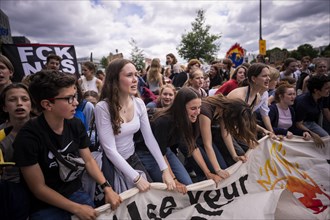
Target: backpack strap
[[82, 105], [50, 145]]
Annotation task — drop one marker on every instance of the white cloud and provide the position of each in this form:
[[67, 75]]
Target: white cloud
[[102, 27]]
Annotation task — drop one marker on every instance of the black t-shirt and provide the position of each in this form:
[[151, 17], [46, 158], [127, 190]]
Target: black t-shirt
[[30, 147], [307, 109], [179, 79], [166, 133]]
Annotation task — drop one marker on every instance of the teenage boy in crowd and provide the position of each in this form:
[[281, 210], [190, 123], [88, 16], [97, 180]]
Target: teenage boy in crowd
[[55, 95]]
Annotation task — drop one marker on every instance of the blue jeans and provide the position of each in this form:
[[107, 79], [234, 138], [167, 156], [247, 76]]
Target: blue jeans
[[152, 167], [313, 126], [54, 213]]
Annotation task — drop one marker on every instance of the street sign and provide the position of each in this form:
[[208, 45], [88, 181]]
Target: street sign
[[262, 47]]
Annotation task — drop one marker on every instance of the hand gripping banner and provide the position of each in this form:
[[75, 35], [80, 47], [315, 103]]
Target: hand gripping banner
[[280, 180]]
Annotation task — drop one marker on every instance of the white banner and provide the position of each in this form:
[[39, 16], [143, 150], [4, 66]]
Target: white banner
[[280, 180]]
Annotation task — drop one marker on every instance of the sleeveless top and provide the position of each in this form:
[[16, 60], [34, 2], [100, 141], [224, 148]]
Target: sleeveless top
[[247, 98], [87, 85]]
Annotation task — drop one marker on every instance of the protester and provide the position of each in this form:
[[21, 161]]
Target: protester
[[6, 72], [178, 171], [304, 71], [100, 75], [179, 76], [238, 76], [225, 117], [206, 83], [15, 106], [53, 198], [85, 109], [53, 62], [180, 121], [91, 96], [119, 115], [196, 80], [308, 107], [289, 69], [216, 77], [165, 98], [255, 94], [282, 114], [227, 69], [171, 61], [88, 81], [154, 76], [320, 69]]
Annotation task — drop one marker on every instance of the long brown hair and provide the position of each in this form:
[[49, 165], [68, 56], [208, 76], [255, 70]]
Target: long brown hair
[[178, 113], [110, 91], [237, 116]]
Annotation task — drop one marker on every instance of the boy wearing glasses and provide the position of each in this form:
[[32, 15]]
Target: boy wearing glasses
[[55, 95]]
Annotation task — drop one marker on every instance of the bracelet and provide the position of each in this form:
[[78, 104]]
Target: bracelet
[[138, 179]]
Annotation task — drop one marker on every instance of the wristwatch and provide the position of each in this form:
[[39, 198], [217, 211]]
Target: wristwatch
[[106, 184]]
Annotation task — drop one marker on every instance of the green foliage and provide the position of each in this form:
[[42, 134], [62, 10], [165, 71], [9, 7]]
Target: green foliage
[[104, 62], [199, 43], [326, 52], [304, 50], [137, 56]]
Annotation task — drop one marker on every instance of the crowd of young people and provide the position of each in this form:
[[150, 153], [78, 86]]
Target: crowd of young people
[[185, 129]]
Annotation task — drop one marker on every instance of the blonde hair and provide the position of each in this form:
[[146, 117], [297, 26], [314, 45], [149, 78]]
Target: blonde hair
[[154, 73], [274, 73]]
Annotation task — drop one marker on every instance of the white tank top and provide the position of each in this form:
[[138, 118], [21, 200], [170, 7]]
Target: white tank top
[[88, 85]]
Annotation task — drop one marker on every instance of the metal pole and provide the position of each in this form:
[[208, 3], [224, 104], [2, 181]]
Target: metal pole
[[260, 34]]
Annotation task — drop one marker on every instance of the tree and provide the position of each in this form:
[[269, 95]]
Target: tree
[[304, 50], [104, 62], [326, 51], [199, 43], [137, 56]]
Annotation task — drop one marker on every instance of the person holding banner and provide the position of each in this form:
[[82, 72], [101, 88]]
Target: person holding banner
[[224, 117], [282, 114], [118, 116], [6, 72], [54, 197], [313, 103], [256, 95], [180, 121]]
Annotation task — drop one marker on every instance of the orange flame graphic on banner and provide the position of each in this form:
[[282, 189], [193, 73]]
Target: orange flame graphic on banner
[[301, 183], [236, 54]]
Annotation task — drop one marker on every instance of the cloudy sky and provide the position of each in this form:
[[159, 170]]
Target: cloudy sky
[[102, 26]]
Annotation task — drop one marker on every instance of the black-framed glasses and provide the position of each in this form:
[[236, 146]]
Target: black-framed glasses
[[70, 98]]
